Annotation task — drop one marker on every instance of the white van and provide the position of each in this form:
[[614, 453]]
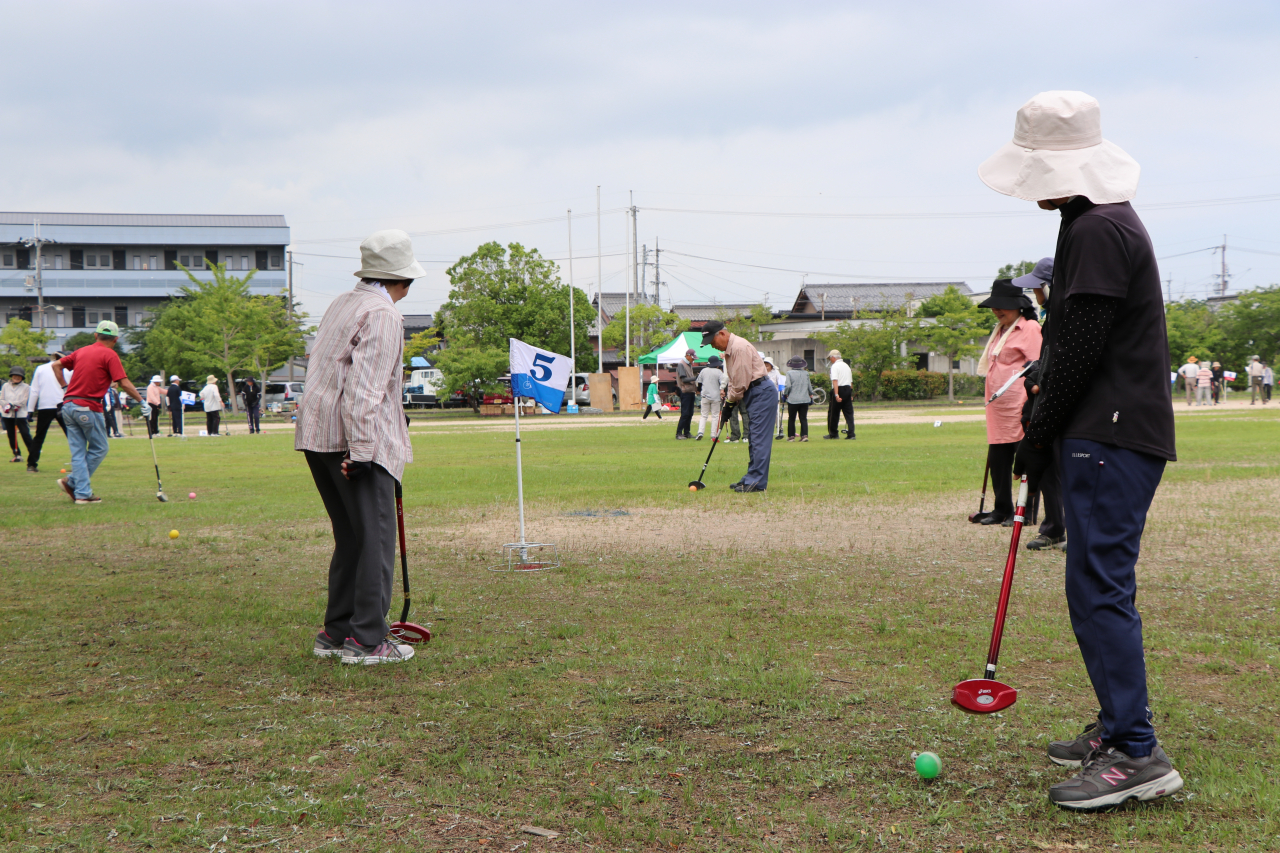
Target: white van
[[424, 387]]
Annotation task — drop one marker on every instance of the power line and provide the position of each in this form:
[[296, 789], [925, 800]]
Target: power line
[[461, 230]]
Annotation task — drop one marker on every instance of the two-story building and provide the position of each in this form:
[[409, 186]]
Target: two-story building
[[121, 266]]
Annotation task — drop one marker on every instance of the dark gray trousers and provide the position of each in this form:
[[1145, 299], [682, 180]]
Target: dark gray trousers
[[361, 572]]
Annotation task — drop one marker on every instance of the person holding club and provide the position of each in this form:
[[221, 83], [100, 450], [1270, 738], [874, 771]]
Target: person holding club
[[353, 432], [46, 402], [748, 388], [1105, 400], [93, 368]]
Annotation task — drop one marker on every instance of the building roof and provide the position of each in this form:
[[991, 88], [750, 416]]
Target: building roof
[[145, 219], [871, 296], [418, 321], [616, 303], [701, 313]]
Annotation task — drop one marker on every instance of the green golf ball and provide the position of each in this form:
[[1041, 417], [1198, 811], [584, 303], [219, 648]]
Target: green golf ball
[[928, 765]]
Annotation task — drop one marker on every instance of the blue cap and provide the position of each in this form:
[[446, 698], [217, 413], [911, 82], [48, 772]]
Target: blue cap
[[1041, 275]]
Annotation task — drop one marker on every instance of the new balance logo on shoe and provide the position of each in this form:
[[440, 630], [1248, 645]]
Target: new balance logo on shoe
[[1115, 777]]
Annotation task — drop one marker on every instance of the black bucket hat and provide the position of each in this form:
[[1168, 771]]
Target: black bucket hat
[[796, 362], [1005, 294], [17, 371], [715, 361]]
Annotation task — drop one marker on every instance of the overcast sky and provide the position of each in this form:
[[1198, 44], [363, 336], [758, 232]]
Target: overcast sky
[[463, 122]]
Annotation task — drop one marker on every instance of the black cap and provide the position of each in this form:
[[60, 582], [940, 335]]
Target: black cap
[[709, 331], [714, 361]]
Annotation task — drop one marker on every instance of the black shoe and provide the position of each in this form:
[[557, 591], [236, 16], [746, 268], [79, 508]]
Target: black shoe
[[682, 438], [1044, 543], [1008, 522], [1072, 753], [992, 518], [831, 436], [850, 437], [1108, 777], [742, 488], [31, 469]]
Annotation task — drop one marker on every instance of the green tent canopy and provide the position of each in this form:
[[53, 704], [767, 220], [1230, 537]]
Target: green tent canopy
[[675, 350]]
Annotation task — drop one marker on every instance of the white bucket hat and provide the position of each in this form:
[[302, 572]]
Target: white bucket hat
[[1058, 151], [388, 255]]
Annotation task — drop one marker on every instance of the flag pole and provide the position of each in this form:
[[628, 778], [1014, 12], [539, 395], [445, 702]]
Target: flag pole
[[519, 474]]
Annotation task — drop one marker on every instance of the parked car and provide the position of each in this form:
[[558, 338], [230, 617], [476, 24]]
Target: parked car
[[282, 392], [424, 388]]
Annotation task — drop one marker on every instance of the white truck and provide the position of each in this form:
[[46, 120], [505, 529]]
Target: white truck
[[424, 388]]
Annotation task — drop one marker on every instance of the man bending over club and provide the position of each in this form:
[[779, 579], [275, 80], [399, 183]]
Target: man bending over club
[[750, 389], [351, 428], [1105, 396], [93, 369]]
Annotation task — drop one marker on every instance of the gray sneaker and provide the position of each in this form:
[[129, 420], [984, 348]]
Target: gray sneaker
[[1109, 777], [1042, 542], [385, 652], [326, 646], [1072, 753]]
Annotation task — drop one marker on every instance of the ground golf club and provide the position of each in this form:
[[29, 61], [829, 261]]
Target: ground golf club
[[982, 502], [159, 488], [985, 695], [697, 485], [404, 630]]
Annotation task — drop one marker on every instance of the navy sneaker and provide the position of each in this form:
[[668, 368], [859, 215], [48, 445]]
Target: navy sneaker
[[1108, 777]]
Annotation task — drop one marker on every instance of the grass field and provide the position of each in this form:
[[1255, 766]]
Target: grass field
[[706, 671]]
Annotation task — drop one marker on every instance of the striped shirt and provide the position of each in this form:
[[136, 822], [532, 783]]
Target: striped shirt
[[742, 366], [353, 399]]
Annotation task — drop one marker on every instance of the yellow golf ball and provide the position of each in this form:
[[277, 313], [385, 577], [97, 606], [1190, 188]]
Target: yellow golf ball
[[173, 534]]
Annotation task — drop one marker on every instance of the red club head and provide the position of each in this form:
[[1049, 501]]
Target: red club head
[[408, 632], [983, 696]]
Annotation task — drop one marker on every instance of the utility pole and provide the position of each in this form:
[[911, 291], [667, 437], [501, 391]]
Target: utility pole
[[1169, 290], [573, 352], [644, 270], [599, 291], [635, 267], [36, 241], [1223, 284], [657, 274], [626, 241], [289, 256]]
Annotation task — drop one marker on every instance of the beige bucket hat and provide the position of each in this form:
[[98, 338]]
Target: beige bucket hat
[[1058, 151], [388, 255]]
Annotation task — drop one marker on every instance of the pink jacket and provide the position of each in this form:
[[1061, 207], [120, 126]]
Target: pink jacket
[[1004, 416]]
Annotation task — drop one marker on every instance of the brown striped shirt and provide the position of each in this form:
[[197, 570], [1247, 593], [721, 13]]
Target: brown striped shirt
[[353, 398]]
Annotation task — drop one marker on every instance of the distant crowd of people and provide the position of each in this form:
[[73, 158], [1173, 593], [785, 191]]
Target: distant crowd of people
[[1207, 383]]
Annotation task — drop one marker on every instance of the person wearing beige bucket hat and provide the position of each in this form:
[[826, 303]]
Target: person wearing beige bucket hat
[[1105, 411], [352, 430]]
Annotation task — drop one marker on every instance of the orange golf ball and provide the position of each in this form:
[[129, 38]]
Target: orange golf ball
[[62, 470], [693, 488]]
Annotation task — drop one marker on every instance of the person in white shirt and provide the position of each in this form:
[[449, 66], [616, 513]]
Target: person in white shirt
[[711, 383], [1268, 379], [212, 399], [13, 408], [45, 400], [1255, 372], [780, 379], [841, 396], [1188, 372]]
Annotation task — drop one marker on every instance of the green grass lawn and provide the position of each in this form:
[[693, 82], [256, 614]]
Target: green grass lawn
[[705, 672]]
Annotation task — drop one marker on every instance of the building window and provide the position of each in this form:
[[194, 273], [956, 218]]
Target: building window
[[93, 318], [62, 318], [8, 260], [153, 263], [77, 316], [44, 261], [185, 260], [57, 262], [230, 261], [122, 315], [244, 262], [137, 262], [90, 260], [955, 364], [104, 261], [137, 319], [275, 262]]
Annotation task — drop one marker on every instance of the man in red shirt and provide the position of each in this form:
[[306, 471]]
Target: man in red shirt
[[93, 368]]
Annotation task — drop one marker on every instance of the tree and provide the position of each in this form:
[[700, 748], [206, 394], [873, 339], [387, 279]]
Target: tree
[[1251, 326], [473, 370], [1015, 270], [748, 325], [957, 330], [418, 344], [650, 327], [873, 345], [18, 340], [80, 339], [499, 293], [1193, 329], [218, 326]]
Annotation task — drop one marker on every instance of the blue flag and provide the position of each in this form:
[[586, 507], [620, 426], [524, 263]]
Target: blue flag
[[539, 374]]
